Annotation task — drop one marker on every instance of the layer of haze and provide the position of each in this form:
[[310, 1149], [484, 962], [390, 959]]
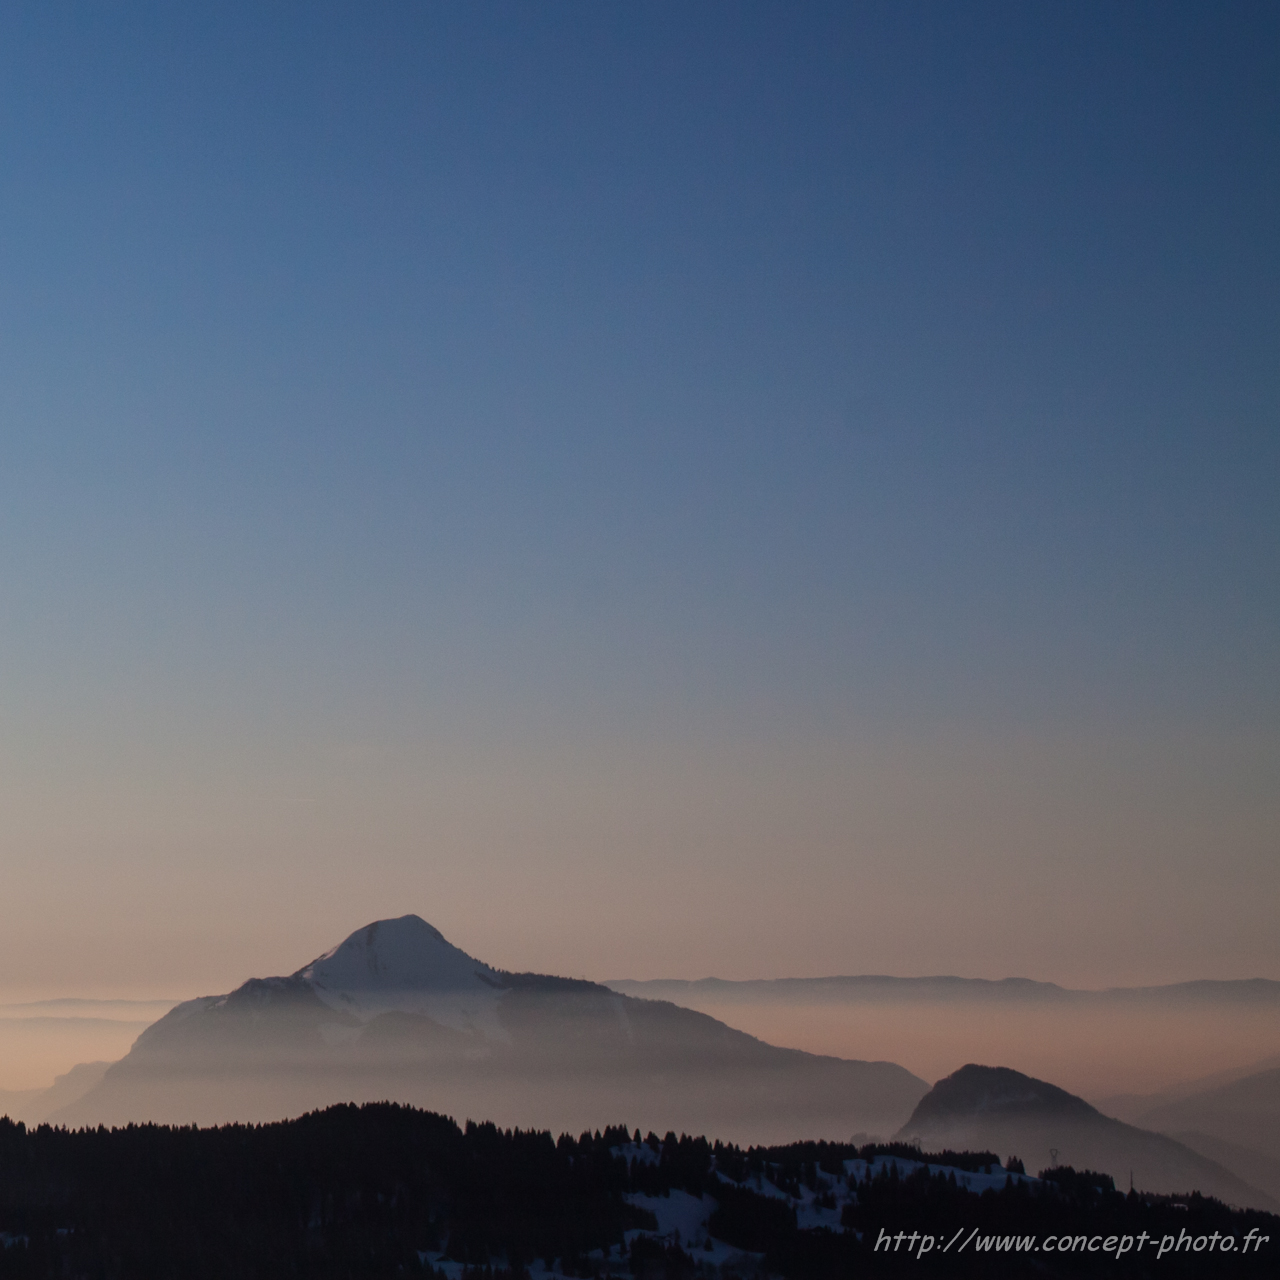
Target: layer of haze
[[656, 490], [1094, 1053], [42, 1040]]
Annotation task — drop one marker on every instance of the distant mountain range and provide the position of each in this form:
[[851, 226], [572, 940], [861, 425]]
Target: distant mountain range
[[1098, 1044], [397, 1012], [1259, 993], [1232, 1117]]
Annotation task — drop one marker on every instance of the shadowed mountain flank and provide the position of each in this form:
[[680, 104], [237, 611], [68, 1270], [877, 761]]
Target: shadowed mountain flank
[[396, 1012]]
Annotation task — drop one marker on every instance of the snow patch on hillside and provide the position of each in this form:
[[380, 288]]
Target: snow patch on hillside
[[993, 1180], [678, 1212]]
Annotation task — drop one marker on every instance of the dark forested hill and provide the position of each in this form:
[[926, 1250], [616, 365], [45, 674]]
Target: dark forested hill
[[386, 1190]]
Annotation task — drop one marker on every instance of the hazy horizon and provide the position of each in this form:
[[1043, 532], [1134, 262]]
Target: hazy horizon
[[1096, 1048]]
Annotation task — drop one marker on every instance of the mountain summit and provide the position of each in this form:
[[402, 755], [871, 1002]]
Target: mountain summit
[[397, 1012], [406, 966], [996, 1092], [406, 954]]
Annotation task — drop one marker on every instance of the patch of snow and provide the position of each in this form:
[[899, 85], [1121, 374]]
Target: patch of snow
[[678, 1211], [809, 1214], [996, 1180], [760, 1185], [438, 1261], [633, 1151], [738, 1262], [613, 1265]]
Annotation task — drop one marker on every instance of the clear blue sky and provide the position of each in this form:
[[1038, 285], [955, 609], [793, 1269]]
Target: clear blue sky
[[776, 467]]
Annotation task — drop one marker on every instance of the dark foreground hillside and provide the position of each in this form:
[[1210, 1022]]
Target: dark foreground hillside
[[385, 1190]]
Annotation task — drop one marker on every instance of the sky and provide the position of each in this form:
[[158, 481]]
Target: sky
[[656, 490]]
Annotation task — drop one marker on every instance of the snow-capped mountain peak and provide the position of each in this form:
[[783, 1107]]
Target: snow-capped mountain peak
[[406, 965]]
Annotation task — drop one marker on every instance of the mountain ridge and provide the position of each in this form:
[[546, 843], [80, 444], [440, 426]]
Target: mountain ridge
[[395, 1011], [1199, 990]]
